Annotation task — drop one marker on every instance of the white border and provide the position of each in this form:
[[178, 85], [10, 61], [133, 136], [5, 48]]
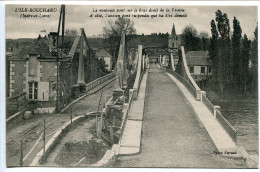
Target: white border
[[2, 74]]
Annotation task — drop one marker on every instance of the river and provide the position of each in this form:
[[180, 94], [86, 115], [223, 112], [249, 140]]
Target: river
[[243, 115]]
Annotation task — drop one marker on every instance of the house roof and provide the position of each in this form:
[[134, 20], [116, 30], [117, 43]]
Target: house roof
[[102, 53], [98, 43], [38, 46], [197, 58]]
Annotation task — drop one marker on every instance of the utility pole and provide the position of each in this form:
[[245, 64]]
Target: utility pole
[[62, 17]]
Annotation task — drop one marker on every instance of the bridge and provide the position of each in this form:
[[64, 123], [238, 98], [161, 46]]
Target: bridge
[[171, 122]]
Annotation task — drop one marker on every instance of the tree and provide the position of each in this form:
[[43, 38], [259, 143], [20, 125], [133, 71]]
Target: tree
[[236, 49], [213, 51], [245, 62], [190, 38], [113, 30], [204, 36], [39, 37], [254, 63], [102, 65], [222, 53]]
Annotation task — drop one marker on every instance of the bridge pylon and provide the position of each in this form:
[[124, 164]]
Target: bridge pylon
[[121, 64]]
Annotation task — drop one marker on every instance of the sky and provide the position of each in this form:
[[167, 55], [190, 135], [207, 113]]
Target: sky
[[79, 16]]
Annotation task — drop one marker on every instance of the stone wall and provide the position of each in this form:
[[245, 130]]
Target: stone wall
[[17, 77]]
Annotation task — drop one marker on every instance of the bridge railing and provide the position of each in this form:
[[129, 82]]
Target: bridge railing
[[186, 83], [207, 102], [227, 126], [183, 75], [100, 80], [219, 117], [140, 71]]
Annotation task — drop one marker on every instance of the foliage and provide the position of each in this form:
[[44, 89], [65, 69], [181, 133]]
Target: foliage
[[231, 56], [39, 37], [236, 48], [222, 53], [213, 51], [204, 36], [244, 64], [102, 65], [113, 31], [190, 38], [253, 71]]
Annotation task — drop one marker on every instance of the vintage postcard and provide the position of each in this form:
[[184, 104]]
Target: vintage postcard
[[172, 86]]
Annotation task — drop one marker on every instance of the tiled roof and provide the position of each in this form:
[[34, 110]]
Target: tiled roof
[[37, 46], [102, 53], [196, 58], [32, 47], [98, 43]]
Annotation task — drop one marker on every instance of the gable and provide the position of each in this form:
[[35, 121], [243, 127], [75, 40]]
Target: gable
[[198, 58]]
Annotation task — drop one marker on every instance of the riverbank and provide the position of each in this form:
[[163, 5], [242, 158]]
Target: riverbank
[[241, 110]]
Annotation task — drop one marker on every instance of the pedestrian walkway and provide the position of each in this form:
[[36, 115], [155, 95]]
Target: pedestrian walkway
[[172, 135], [220, 137], [131, 139]]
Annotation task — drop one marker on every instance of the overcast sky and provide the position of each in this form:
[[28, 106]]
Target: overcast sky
[[78, 16]]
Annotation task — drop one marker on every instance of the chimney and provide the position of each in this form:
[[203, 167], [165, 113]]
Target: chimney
[[53, 42]]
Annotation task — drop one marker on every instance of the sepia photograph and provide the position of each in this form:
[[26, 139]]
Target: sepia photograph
[[124, 86]]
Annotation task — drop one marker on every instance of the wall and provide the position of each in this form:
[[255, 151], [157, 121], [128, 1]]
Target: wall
[[49, 74], [17, 77], [108, 61], [197, 75], [7, 76]]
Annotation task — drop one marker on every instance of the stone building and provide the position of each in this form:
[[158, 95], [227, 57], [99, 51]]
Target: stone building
[[34, 68], [200, 65]]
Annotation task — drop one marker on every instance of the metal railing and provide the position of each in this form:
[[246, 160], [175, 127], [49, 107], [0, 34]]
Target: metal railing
[[91, 85]]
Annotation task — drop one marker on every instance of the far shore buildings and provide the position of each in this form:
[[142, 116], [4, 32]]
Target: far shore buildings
[[200, 65]]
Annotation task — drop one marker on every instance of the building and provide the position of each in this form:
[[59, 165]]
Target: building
[[50, 77], [174, 41], [103, 54], [200, 65]]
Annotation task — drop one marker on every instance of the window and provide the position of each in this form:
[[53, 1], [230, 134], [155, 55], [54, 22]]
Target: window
[[33, 90], [209, 69], [202, 70], [192, 69]]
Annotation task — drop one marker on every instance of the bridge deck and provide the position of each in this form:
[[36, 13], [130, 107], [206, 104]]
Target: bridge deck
[[172, 136]]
